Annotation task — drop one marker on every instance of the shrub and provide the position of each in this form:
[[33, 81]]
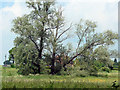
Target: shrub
[[62, 72], [82, 73], [23, 71], [93, 70], [77, 72], [105, 69], [12, 66], [43, 67]]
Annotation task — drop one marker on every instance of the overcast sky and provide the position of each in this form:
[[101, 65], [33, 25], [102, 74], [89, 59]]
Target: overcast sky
[[103, 12]]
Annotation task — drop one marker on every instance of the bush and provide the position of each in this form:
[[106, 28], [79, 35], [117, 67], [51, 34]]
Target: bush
[[12, 66], [105, 69], [62, 72], [93, 70], [77, 71], [30, 68], [82, 73], [43, 67], [23, 71]]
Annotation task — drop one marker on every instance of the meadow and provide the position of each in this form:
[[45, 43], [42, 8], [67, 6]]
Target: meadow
[[10, 79]]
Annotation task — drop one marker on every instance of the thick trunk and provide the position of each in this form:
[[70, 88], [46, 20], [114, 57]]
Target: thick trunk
[[53, 66], [40, 54], [39, 62]]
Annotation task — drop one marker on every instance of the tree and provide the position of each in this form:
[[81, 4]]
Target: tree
[[89, 39], [102, 55], [11, 55], [115, 63], [41, 34], [115, 60], [58, 35], [34, 28]]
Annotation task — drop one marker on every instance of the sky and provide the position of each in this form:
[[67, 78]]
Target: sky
[[103, 12]]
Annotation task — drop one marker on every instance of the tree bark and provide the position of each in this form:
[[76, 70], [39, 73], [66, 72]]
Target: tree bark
[[40, 54], [41, 48], [53, 61]]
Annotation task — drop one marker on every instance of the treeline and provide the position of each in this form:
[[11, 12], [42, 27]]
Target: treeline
[[39, 45]]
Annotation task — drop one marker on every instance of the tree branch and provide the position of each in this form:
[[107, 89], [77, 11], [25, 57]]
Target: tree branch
[[81, 38], [63, 39], [34, 43], [64, 32], [87, 47]]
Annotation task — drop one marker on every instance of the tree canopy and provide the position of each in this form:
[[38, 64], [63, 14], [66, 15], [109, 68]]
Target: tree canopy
[[39, 45]]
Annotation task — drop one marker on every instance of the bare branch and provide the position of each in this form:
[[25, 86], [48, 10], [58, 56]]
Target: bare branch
[[63, 39], [64, 32], [81, 38], [87, 47]]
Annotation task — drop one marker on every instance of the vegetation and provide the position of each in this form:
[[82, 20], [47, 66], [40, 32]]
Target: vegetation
[[11, 79], [39, 46], [40, 54]]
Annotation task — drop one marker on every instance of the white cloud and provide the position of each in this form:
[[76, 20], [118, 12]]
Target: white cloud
[[105, 14], [7, 14], [18, 9]]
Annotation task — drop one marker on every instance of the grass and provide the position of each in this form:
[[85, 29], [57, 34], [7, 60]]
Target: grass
[[12, 79]]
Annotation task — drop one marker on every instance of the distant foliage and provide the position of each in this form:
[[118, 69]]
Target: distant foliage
[[12, 66], [105, 69]]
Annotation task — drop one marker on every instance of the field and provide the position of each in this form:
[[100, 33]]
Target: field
[[11, 79]]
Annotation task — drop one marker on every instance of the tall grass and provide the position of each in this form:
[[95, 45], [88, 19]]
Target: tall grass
[[12, 79]]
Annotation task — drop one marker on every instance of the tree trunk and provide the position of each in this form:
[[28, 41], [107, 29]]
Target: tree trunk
[[40, 54], [41, 48], [53, 66]]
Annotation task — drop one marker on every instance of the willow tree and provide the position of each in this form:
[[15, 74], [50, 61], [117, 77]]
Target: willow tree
[[33, 29], [88, 38]]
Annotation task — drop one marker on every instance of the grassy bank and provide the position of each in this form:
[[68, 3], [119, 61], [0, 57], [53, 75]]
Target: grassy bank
[[12, 79]]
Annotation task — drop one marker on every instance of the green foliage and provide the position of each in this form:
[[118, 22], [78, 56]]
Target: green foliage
[[11, 55], [39, 42], [105, 69], [98, 64], [82, 73], [62, 72], [43, 67], [12, 66], [115, 65]]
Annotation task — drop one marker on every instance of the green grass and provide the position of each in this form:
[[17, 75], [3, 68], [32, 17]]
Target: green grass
[[12, 79]]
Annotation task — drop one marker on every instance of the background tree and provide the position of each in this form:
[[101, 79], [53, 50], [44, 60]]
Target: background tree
[[102, 55], [115, 63], [11, 55]]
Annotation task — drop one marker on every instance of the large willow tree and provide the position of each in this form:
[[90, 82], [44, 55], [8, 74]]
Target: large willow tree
[[36, 32]]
